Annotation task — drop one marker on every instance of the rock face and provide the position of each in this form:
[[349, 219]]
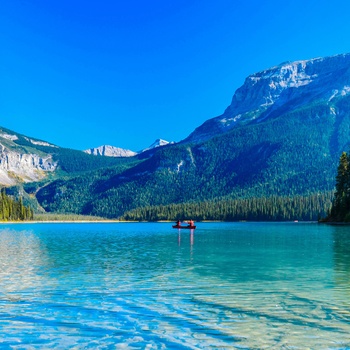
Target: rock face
[[285, 86], [15, 166], [110, 151], [20, 161]]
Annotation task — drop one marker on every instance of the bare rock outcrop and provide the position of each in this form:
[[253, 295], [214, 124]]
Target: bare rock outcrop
[[23, 167]]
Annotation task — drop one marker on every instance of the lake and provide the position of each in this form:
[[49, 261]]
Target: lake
[[146, 285]]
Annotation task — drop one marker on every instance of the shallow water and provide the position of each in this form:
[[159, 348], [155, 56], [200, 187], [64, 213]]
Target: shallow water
[[227, 285]]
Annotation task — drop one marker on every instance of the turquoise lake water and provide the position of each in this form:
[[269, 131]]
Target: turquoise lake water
[[146, 285]]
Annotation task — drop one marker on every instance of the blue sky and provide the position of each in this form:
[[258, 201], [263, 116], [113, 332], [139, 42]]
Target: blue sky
[[85, 73]]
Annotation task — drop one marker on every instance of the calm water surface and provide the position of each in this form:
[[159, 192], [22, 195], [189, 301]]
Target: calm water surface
[[236, 285]]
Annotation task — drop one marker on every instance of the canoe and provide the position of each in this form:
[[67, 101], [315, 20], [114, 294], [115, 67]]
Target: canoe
[[188, 226]]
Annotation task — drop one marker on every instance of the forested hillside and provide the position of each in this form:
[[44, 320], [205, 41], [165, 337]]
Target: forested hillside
[[290, 154], [69, 160]]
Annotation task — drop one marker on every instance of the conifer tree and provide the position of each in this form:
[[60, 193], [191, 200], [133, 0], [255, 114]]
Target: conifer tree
[[342, 190], [11, 209]]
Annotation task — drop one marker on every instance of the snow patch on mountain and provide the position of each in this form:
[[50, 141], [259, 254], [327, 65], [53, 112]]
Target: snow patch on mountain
[[343, 92], [157, 143], [334, 94], [333, 111], [191, 156], [179, 165]]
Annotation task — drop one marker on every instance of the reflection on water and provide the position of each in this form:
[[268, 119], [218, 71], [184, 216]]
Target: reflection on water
[[341, 240], [242, 285], [191, 235], [22, 261]]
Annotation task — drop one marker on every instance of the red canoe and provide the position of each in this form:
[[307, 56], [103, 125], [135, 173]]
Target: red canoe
[[188, 226]]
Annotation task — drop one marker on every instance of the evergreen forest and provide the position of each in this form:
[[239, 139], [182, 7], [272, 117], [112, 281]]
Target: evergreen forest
[[13, 210], [274, 208]]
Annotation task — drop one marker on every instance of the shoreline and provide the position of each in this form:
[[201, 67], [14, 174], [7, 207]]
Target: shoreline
[[59, 222], [110, 221], [335, 223]]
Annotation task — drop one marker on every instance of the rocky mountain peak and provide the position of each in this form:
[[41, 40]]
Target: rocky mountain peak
[[159, 143], [269, 89], [110, 151]]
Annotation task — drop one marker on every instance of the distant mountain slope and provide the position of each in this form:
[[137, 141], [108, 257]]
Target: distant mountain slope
[[110, 151], [25, 159]]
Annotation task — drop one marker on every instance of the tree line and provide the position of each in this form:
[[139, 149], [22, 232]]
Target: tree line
[[13, 210], [274, 208]]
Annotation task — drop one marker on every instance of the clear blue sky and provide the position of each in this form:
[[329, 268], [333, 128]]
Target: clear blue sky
[[82, 73]]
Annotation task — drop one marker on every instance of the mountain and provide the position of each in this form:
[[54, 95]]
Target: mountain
[[25, 159], [281, 135], [110, 151], [25, 163], [157, 143], [280, 89]]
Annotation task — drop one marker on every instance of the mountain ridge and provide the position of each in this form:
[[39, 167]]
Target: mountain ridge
[[263, 92]]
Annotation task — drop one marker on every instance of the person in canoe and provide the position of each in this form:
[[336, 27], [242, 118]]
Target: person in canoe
[[190, 224]]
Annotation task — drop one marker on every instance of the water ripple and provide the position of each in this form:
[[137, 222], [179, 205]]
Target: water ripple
[[140, 286]]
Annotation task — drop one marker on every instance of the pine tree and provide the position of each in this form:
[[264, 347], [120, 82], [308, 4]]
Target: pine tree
[[11, 209], [342, 190]]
